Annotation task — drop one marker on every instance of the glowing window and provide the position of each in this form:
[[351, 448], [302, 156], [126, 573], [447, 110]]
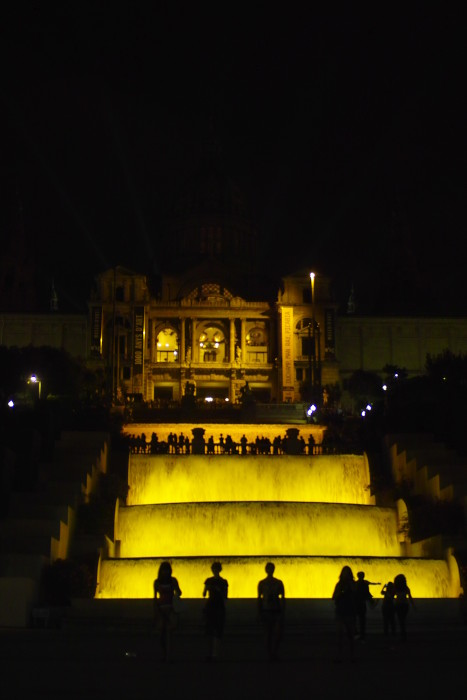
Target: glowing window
[[167, 345], [256, 336]]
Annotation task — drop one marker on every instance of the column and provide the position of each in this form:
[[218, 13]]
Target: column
[[243, 341], [153, 341], [182, 350], [232, 341], [194, 348]]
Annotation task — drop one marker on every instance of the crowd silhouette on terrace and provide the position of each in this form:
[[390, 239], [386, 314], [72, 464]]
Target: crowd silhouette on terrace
[[291, 443]]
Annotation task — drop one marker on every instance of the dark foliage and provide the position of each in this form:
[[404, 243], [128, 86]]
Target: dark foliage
[[66, 579]]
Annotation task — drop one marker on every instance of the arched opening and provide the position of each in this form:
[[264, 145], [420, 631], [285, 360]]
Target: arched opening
[[257, 344], [211, 344], [167, 345]]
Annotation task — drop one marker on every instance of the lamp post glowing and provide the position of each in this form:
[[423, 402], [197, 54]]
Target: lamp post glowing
[[33, 379], [313, 346]]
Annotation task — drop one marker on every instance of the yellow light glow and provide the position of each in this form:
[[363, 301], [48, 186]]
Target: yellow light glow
[[189, 478], [235, 430], [304, 577], [309, 515], [256, 529]]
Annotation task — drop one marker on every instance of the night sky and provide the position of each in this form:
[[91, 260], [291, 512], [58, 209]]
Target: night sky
[[344, 127]]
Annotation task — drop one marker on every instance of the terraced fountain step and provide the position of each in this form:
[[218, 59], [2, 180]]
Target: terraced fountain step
[[251, 528], [304, 577]]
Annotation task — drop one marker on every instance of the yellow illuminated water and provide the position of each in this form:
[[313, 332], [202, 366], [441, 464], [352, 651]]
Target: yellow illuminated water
[[249, 529], [311, 516], [186, 479], [304, 577]]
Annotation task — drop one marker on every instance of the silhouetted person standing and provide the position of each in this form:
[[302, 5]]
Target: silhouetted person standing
[[344, 601], [216, 588], [211, 445], [243, 443], [311, 444], [402, 600], [362, 597], [166, 589], [271, 607], [387, 607]]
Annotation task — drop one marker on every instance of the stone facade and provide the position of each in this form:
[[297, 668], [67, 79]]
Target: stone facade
[[216, 342], [198, 335], [211, 341]]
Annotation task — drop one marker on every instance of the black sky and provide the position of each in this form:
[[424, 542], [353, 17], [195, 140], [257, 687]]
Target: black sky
[[344, 126]]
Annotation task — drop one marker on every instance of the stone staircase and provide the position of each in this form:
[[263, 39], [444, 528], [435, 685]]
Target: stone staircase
[[434, 470], [39, 525]]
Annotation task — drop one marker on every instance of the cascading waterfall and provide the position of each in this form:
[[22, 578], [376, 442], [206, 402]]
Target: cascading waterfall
[[191, 479], [304, 577], [249, 529], [310, 515]]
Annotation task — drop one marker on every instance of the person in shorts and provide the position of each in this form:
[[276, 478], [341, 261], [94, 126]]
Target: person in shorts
[[271, 607]]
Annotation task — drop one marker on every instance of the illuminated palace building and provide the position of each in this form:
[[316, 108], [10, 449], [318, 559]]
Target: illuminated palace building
[[203, 336], [218, 315], [216, 318], [214, 322]]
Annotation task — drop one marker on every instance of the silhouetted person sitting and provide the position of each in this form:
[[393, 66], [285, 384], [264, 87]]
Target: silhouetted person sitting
[[216, 588], [271, 607], [166, 589]]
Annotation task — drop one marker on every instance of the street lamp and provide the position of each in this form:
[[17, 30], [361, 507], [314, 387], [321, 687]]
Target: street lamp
[[33, 379], [312, 279], [310, 360]]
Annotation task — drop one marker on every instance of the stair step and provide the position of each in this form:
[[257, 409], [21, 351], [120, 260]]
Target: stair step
[[26, 544]]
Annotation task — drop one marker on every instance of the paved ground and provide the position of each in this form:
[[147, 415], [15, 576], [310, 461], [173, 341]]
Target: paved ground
[[104, 661]]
